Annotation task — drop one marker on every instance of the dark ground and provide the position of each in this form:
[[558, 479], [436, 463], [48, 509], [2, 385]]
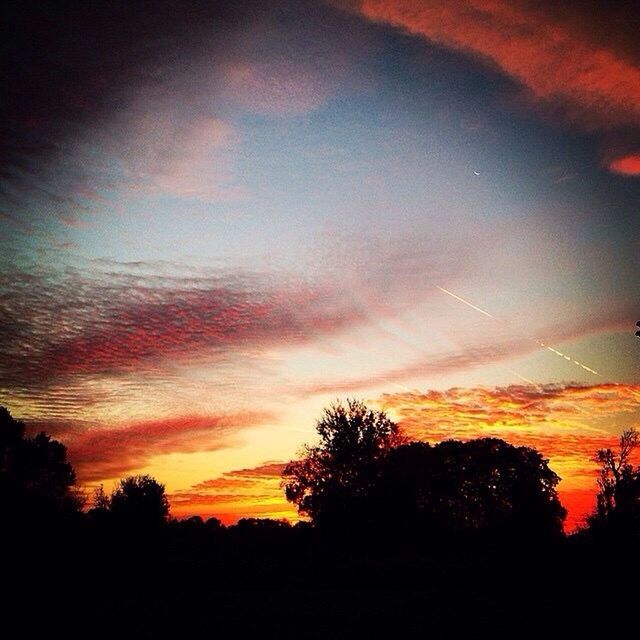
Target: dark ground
[[295, 585]]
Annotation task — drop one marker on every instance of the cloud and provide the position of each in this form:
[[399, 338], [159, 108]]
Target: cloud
[[576, 63], [108, 451], [568, 423], [474, 350], [516, 406], [168, 153], [149, 104], [436, 364], [65, 333], [597, 81], [251, 492], [16, 222], [277, 88], [628, 165]]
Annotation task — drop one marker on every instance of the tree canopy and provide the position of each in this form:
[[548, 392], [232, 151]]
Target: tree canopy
[[484, 486], [139, 501], [362, 474], [618, 500], [333, 481], [36, 480]]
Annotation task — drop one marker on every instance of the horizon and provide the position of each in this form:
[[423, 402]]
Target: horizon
[[216, 219]]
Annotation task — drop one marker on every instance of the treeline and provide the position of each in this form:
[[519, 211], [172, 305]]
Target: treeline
[[402, 539], [362, 481]]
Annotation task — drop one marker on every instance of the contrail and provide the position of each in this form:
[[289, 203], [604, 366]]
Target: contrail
[[566, 357], [486, 313], [515, 373], [473, 306], [538, 342]]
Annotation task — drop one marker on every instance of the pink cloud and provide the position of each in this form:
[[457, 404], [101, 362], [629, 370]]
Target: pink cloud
[[558, 62], [277, 88], [181, 157], [73, 341]]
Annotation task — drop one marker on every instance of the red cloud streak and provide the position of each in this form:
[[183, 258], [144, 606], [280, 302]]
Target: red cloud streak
[[552, 56], [60, 330], [628, 165], [106, 452]]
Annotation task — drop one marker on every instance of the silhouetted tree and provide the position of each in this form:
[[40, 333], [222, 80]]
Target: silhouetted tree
[[101, 501], [36, 480], [261, 524], [332, 483], [484, 486], [139, 501], [213, 525], [100, 512], [618, 500], [405, 490]]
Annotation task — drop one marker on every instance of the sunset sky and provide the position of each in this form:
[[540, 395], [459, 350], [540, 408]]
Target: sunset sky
[[218, 217]]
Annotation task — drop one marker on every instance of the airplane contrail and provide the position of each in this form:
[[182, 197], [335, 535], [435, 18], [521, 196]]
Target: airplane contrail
[[473, 306], [566, 357], [538, 342]]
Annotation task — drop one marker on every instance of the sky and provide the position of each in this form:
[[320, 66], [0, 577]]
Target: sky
[[218, 217]]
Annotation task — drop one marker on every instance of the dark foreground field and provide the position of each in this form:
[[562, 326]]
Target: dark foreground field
[[295, 585]]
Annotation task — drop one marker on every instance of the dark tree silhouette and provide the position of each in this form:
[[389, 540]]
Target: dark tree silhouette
[[100, 512], [101, 501], [363, 475], [261, 524], [484, 486], [139, 501], [618, 500], [36, 480], [332, 483], [405, 490]]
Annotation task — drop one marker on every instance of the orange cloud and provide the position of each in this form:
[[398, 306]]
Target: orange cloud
[[628, 165], [243, 493], [565, 422], [559, 62], [106, 452]]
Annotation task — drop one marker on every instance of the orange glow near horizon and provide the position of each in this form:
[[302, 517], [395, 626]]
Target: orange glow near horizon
[[244, 493], [563, 422]]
